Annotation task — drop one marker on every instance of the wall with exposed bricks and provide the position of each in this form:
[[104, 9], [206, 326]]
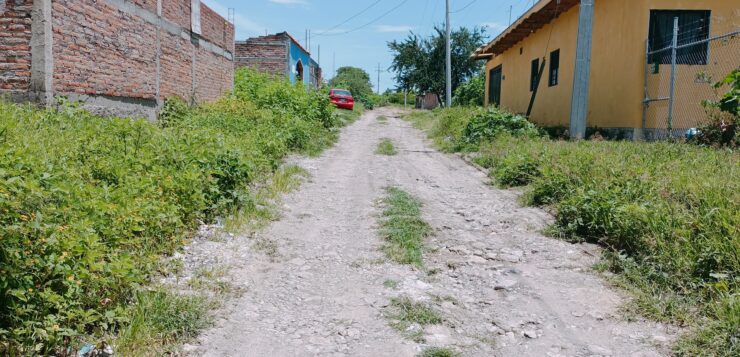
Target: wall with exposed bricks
[[15, 45], [120, 57], [265, 53]]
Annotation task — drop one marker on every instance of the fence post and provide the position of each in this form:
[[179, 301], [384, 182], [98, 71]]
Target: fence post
[[646, 101], [674, 44]]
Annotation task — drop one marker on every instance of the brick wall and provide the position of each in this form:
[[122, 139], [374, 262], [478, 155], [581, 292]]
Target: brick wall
[[216, 29], [266, 53], [116, 50], [99, 50], [15, 45]]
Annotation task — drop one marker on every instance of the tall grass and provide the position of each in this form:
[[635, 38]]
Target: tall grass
[[88, 205], [668, 214]]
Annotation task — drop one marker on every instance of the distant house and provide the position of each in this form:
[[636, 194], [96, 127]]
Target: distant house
[[279, 54], [628, 88]]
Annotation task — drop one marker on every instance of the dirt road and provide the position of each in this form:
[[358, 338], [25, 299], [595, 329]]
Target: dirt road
[[502, 288]]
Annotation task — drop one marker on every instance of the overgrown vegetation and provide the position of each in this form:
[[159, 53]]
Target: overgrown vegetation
[[471, 92], [158, 320], [403, 228], [386, 147], [666, 212], [464, 128], [88, 206]]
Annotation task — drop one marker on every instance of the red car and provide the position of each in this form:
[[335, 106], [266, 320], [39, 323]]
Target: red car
[[342, 98]]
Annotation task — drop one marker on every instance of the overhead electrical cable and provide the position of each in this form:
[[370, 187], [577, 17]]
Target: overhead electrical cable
[[349, 19], [464, 7], [372, 21]]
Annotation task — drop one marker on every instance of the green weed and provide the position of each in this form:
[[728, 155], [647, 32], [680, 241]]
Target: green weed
[[382, 119], [410, 317], [403, 228], [159, 320], [90, 205], [390, 284], [385, 147], [438, 352]]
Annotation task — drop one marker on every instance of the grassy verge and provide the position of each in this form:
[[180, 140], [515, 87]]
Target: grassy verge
[[409, 317], [159, 320], [90, 205], [403, 228], [667, 214], [347, 117], [386, 147]]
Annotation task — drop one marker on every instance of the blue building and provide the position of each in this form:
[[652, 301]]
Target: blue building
[[279, 54]]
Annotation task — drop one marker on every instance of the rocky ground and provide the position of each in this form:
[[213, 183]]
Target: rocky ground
[[315, 283]]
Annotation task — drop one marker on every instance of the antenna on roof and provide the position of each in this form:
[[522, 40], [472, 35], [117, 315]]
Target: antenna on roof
[[230, 17]]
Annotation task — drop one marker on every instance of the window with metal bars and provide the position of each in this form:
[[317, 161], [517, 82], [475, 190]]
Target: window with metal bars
[[693, 28]]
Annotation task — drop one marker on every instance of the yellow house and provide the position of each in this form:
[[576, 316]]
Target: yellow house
[[629, 89]]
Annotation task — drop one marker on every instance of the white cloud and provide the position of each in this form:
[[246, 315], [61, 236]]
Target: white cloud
[[245, 27], [394, 28], [289, 2], [329, 32]]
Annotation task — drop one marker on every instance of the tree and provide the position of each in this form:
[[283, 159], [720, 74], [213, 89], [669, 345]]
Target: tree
[[354, 79], [419, 63]]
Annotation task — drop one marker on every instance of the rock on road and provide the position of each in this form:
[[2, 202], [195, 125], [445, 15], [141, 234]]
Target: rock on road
[[502, 288]]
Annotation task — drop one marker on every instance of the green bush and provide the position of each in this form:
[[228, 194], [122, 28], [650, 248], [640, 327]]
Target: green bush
[[723, 127], [88, 205], [471, 93], [493, 122]]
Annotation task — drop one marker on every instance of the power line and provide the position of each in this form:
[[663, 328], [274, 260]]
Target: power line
[[464, 7], [350, 18], [372, 21]]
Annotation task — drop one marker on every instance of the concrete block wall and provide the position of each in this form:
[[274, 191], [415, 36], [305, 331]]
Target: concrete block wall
[[119, 57]]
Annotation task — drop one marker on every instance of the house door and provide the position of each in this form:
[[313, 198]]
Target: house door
[[494, 86]]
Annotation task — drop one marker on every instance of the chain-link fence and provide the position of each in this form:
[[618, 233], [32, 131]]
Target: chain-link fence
[[679, 78]]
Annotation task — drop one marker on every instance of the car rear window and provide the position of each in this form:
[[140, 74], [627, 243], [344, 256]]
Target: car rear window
[[342, 92]]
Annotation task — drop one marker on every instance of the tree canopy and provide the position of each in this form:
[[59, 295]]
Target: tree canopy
[[354, 79], [419, 63]]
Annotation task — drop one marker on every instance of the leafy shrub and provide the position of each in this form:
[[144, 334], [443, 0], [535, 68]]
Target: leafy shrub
[[493, 122], [88, 205], [471, 93], [173, 111], [723, 128]]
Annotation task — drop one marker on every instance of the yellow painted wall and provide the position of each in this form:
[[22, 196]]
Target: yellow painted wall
[[617, 62]]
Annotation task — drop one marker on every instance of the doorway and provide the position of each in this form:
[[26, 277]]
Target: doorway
[[494, 86]]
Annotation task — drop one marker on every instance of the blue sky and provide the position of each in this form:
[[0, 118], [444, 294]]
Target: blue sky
[[361, 41]]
